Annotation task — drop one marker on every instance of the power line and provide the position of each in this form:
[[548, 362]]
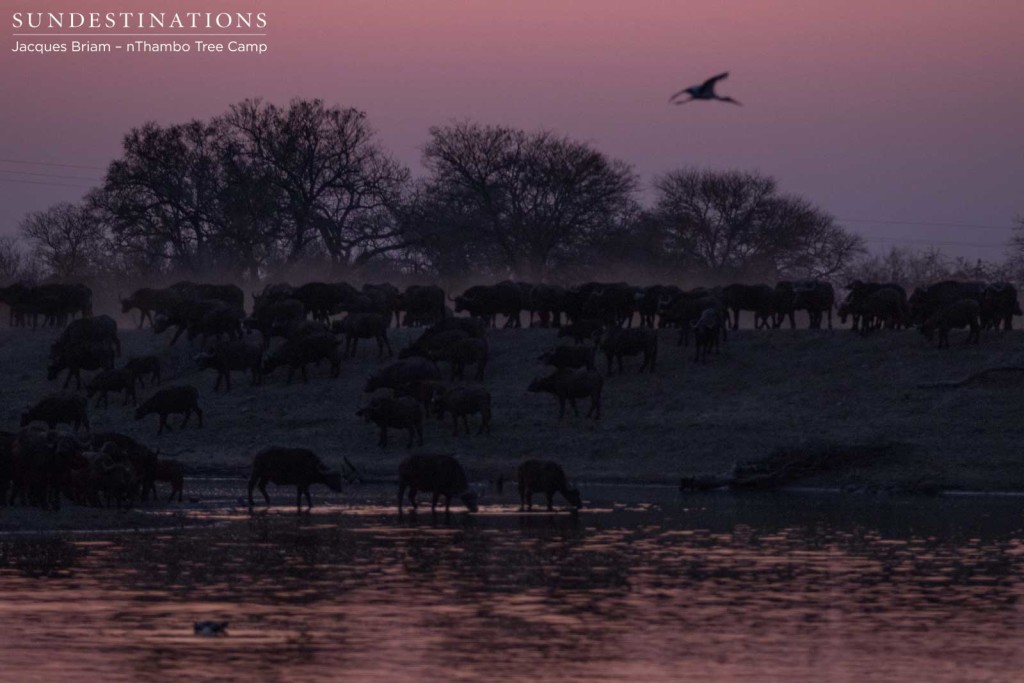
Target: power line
[[897, 241], [47, 163], [51, 175], [927, 225], [36, 182]]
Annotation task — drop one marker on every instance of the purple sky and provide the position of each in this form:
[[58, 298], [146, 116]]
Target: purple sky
[[879, 110]]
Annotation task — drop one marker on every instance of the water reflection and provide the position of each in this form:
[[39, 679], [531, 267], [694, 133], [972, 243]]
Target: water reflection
[[687, 589]]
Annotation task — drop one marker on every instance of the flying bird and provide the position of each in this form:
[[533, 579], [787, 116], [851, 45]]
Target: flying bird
[[704, 91]]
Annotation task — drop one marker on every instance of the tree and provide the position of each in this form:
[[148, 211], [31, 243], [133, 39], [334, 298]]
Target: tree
[[736, 224], [534, 200], [335, 185], [11, 260], [67, 239], [165, 196]]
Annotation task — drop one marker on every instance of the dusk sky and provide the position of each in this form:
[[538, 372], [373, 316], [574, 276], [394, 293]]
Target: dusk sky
[[877, 110]]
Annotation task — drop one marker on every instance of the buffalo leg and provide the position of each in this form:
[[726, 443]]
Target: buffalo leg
[[188, 414], [551, 500], [433, 501], [199, 416], [383, 440], [575, 410]]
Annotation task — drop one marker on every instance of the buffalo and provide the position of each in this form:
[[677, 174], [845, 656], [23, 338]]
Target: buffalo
[[463, 352], [618, 343], [299, 467], [440, 475], [54, 410], [569, 385], [181, 400], [959, 314], [143, 366], [402, 373], [110, 380], [298, 353], [544, 476], [463, 402], [231, 356], [397, 413], [84, 356], [356, 326]]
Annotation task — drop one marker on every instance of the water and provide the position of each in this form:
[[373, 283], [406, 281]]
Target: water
[[644, 586]]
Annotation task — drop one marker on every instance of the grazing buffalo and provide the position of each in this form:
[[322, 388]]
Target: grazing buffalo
[[84, 356], [463, 402], [185, 313], [759, 299], [959, 314], [143, 366], [618, 343], [884, 307], [356, 326], [54, 410], [397, 413], [569, 385], [613, 303], [999, 304], [322, 299], [41, 464], [298, 353], [221, 321], [817, 297], [182, 400], [548, 302], [87, 331], [440, 475], [143, 460], [925, 301], [544, 476], [237, 356], [110, 380], [707, 333], [468, 351], [272, 318], [149, 301], [173, 473], [423, 305], [488, 301], [403, 373], [299, 467], [649, 301]]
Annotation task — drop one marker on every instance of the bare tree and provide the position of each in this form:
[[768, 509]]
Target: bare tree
[[66, 238], [737, 223], [335, 184], [164, 196], [533, 198], [11, 259]]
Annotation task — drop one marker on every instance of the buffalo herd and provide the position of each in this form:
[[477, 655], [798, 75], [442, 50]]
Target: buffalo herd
[[441, 374]]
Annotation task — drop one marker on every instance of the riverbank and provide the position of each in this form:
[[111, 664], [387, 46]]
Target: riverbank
[[766, 390]]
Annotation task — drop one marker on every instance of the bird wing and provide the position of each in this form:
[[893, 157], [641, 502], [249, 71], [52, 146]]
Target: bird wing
[[681, 92], [709, 85]]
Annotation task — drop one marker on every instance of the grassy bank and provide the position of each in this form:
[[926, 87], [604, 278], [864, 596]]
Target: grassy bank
[[766, 389]]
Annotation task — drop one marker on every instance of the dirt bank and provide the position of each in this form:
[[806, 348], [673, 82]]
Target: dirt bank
[[766, 390]]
